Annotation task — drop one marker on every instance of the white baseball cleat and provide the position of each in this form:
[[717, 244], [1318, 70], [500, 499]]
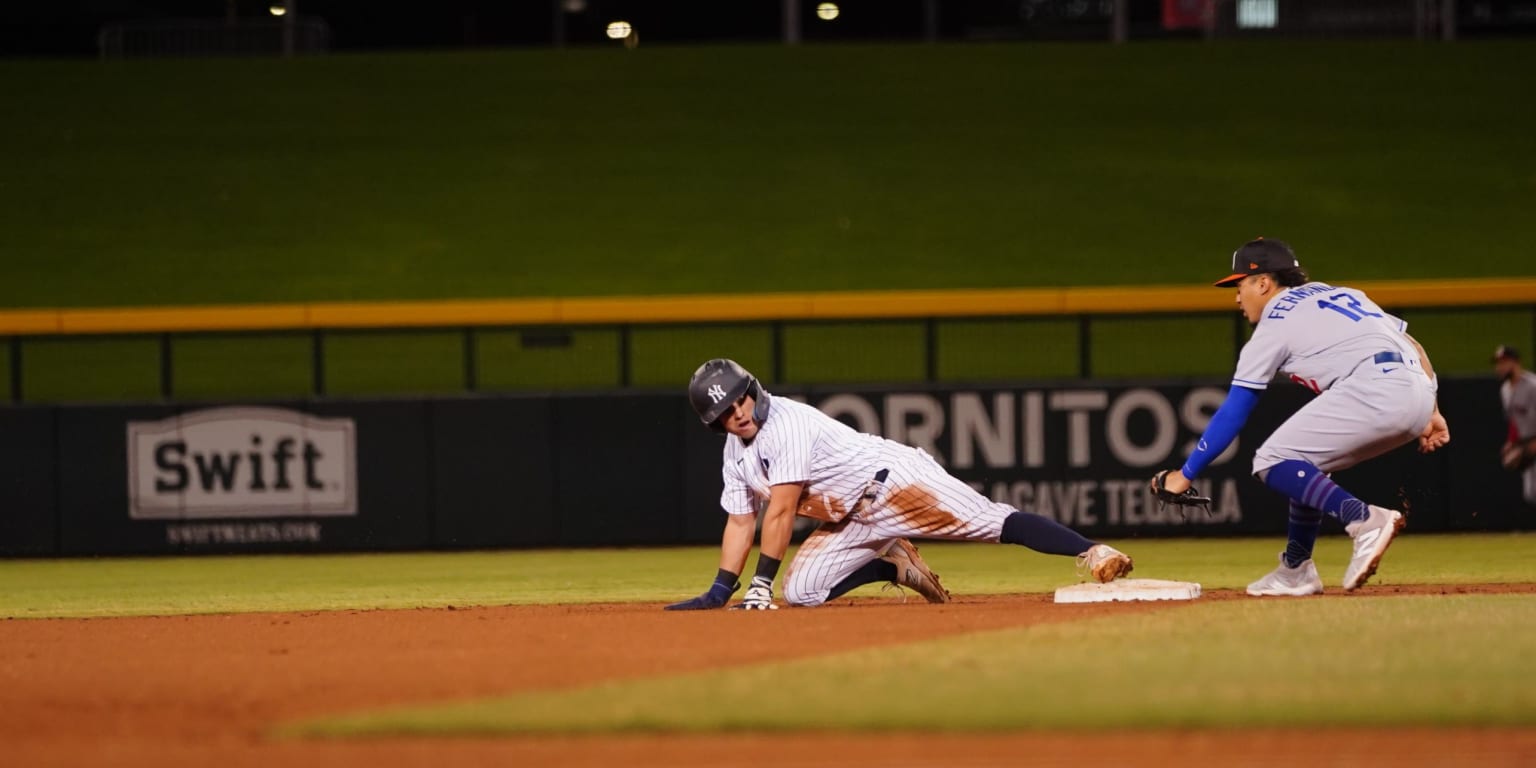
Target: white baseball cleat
[[1289, 582], [1104, 563], [1372, 537], [912, 572]]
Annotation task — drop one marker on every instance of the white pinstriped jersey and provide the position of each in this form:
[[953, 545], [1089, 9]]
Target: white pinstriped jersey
[[1317, 334], [868, 489], [799, 444]]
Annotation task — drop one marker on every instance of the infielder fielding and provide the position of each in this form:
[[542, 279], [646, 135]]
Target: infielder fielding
[[1375, 391], [1517, 390], [872, 495]]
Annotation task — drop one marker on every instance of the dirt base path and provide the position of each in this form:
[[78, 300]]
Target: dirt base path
[[206, 690]]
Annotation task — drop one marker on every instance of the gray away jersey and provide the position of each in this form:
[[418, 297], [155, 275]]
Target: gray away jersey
[[1317, 334]]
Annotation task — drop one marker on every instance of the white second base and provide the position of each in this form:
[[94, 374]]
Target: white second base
[[1122, 590]]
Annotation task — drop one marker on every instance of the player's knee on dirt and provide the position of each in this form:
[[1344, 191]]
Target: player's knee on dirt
[[798, 591]]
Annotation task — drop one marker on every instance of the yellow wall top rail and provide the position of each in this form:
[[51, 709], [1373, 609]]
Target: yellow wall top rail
[[702, 308]]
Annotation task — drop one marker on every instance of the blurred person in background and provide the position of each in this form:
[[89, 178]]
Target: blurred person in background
[[1517, 390]]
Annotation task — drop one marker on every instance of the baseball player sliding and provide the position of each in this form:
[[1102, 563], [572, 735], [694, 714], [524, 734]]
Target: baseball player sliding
[[871, 494], [1376, 391]]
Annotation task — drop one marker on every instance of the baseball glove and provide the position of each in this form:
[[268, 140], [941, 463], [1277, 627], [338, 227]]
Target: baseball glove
[[1179, 501], [1516, 457]]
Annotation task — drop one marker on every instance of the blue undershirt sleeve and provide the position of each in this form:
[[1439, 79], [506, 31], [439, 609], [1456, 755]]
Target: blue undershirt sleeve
[[1229, 418]]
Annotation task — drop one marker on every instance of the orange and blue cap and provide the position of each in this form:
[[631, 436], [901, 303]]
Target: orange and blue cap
[[1256, 257]]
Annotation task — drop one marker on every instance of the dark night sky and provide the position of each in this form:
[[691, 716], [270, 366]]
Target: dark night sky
[[69, 27]]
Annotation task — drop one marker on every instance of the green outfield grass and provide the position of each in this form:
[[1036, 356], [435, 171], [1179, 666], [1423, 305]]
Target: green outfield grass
[[741, 169], [1408, 661], [162, 586], [763, 168]]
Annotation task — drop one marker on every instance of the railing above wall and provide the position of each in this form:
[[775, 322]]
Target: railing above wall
[[695, 308], [600, 343]]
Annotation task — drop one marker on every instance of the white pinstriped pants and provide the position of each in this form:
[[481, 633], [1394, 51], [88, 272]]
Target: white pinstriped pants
[[918, 500]]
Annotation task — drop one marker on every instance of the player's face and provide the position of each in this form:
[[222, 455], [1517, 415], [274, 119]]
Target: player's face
[[1253, 293], [1505, 368], [738, 420]]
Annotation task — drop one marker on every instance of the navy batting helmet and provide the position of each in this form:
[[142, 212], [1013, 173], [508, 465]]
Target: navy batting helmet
[[717, 385]]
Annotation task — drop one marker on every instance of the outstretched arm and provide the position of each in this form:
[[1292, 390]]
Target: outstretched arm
[[778, 524], [779, 520], [735, 543], [1219, 434]]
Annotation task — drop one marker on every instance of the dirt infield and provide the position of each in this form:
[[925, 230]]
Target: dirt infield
[[206, 690]]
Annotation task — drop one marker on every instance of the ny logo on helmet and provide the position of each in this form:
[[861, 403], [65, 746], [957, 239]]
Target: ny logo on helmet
[[716, 393]]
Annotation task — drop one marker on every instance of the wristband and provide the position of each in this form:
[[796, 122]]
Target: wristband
[[724, 586], [767, 567]]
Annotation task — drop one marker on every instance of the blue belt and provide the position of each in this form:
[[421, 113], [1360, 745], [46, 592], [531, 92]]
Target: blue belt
[[1382, 358], [871, 490]]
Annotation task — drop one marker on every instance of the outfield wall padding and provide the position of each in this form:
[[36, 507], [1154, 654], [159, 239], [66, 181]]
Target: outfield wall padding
[[28, 488], [637, 469], [491, 459], [92, 477]]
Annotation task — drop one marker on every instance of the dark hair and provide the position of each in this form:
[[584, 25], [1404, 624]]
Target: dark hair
[[1292, 277]]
